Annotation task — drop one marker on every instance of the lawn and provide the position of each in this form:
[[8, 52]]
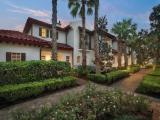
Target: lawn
[[151, 84]]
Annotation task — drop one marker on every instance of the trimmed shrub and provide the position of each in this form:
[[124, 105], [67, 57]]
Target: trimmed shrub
[[91, 104], [82, 73], [114, 76], [99, 78], [150, 85], [134, 69], [11, 93], [20, 72], [156, 72], [109, 77]]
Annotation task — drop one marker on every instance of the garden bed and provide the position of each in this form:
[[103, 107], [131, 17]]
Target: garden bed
[[151, 84], [92, 104], [108, 78], [13, 93]]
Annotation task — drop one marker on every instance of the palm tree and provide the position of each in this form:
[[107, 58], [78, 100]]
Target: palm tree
[[124, 31], [117, 29], [79, 7], [54, 24], [96, 41]]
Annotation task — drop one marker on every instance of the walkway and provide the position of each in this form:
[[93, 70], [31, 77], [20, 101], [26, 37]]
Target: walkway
[[131, 83], [127, 84]]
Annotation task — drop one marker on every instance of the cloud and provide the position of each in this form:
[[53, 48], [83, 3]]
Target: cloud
[[24, 10], [19, 28], [116, 13]]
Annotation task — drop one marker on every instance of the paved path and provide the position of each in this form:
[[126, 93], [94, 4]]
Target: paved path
[[131, 83], [127, 84]]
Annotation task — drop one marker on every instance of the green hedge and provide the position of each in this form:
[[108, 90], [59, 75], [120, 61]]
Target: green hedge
[[20, 72], [114, 76], [83, 73], [11, 93], [99, 78], [156, 72], [134, 69], [109, 77], [150, 85]]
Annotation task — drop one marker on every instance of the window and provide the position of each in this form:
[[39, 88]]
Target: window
[[43, 57], [43, 32], [78, 59], [67, 58], [88, 41], [15, 56]]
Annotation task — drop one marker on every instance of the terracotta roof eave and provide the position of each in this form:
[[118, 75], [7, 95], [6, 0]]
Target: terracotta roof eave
[[9, 36], [31, 21]]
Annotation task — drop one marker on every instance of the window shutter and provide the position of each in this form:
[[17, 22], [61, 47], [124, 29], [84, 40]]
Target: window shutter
[[47, 33], [57, 35], [51, 33], [23, 57], [8, 56], [40, 31]]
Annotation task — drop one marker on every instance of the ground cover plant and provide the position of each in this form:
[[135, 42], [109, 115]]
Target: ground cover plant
[[20, 72], [12, 93], [92, 104], [108, 78], [151, 84]]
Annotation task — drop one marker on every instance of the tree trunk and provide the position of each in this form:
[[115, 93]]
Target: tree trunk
[[96, 42], [119, 54], [84, 62], [54, 31], [132, 57], [125, 56]]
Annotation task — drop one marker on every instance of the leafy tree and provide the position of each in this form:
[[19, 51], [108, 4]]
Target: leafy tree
[[78, 7], [142, 48], [155, 33], [104, 48]]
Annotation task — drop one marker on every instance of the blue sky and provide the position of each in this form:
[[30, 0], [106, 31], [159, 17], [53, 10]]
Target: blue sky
[[15, 12]]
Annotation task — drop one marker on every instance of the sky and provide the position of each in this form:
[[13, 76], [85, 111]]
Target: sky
[[14, 13]]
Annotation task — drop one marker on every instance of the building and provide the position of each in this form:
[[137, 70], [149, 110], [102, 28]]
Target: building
[[35, 43]]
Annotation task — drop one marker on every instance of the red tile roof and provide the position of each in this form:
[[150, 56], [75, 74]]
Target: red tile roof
[[10, 36], [31, 21]]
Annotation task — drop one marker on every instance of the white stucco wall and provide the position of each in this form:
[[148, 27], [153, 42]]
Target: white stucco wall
[[115, 61], [32, 52], [73, 40], [115, 45], [61, 54]]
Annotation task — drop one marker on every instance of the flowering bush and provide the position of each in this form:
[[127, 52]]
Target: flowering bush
[[91, 104]]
